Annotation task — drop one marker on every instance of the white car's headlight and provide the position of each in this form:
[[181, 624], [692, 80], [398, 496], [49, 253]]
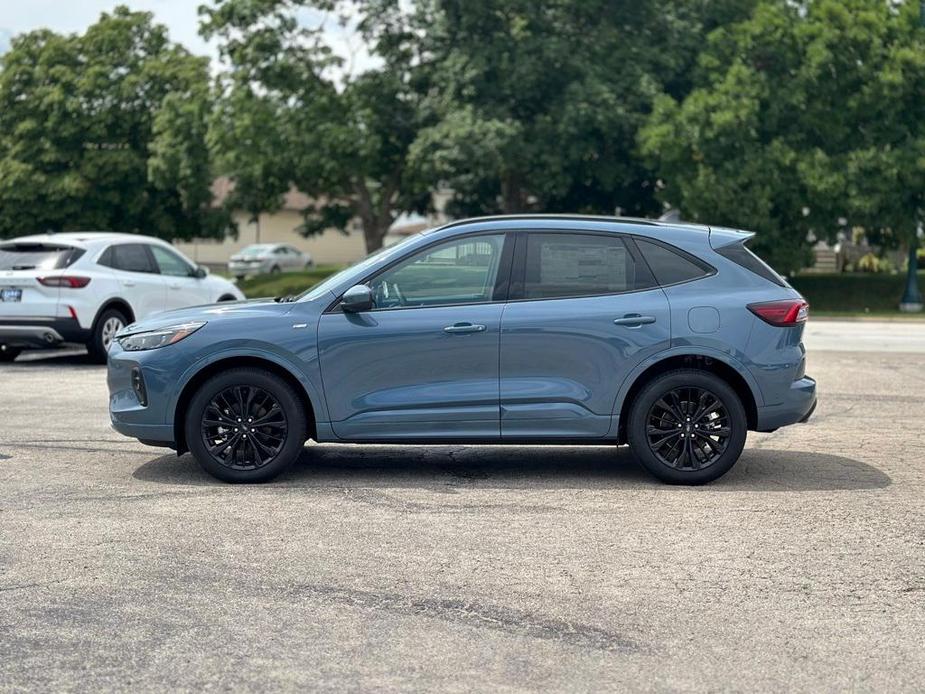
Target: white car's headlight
[[152, 339]]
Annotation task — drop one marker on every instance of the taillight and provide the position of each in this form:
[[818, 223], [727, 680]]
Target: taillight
[[781, 313], [69, 281]]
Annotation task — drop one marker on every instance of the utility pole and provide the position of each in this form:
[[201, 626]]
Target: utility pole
[[912, 296]]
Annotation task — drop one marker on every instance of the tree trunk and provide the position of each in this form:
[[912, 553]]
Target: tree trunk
[[513, 197]]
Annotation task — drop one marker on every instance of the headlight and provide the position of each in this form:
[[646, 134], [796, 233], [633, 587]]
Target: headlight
[[152, 339]]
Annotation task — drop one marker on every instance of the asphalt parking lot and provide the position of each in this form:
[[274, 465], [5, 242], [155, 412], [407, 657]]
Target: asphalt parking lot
[[456, 568]]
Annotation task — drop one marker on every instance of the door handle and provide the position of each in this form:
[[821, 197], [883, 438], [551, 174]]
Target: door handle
[[634, 319], [128, 283], [174, 286], [464, 328]]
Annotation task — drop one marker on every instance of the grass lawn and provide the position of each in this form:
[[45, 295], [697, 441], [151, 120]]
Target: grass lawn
[[286, 283], [845, 295]]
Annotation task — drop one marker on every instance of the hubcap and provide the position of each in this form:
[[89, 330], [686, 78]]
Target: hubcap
[[688, 428], [244, 427], [110, 328]]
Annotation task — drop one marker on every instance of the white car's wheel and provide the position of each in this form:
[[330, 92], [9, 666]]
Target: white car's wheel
[[104, 332]]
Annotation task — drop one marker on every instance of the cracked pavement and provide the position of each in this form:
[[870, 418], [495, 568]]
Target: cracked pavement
[[466, 568]]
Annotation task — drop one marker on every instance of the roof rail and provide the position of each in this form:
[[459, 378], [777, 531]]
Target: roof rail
[[585, 217]]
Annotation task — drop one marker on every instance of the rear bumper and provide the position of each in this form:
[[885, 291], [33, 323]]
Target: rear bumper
[[41, 332], [798, 406]]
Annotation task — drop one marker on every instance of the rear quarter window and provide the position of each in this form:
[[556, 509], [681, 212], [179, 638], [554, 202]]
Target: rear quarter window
[[743, 257], [37, 256], [670, 265]]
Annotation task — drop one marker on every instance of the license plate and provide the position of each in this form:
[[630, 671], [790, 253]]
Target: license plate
[[10, 294]]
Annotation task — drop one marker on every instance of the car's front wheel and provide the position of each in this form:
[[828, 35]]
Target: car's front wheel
[[245, 425], [687, 427]]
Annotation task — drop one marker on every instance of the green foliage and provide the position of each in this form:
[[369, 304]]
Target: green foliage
[[539, 104], [342, 141], [851, 292], [287, 283], [104, 130], [804, 114]]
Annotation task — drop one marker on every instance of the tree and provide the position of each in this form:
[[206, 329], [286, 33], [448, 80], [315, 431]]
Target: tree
[[341, 139], [105, 130], [802, 115], [539, 103]]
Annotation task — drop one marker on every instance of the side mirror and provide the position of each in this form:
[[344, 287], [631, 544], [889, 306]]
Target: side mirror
[[357, 298], [200, 272]]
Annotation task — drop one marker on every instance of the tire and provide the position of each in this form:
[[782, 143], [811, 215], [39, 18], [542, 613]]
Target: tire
[[226, 297], [107, 324], [310, 264], [232, 458], [275, 270], [8, 354], [671, 458]]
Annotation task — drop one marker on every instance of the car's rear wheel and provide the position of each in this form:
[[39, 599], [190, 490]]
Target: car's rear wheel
[[275, 270], [687, 427], [8, 354], [110, 322], [245, 425]]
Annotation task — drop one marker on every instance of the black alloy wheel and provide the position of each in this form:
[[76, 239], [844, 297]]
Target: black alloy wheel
[[246, 425], [687, 426]]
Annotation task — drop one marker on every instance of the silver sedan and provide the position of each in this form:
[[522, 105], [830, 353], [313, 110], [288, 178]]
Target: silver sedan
[[268, 258]]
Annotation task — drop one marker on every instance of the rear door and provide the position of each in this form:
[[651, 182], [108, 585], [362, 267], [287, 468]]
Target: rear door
[[140, 283], [584, 311]]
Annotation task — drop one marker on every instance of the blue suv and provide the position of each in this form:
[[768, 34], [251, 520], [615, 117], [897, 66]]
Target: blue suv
[[673, 338]]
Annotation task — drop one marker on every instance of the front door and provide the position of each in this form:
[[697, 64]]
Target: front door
[[183, 288], [584, 311], [423, 363]]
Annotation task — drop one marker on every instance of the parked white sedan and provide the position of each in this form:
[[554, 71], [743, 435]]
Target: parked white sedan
[[271, 258], [84, 287]]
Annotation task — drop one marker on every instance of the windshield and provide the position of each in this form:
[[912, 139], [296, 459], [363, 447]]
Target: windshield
[[335, 279], [37, 256], [259, 249]]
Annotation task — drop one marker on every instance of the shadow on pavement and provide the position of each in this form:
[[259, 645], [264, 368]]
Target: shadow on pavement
[[537, 467], [53, 357]]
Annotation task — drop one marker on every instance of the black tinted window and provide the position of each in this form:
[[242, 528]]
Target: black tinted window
[[131, 257], [670, 266], [740, 255], [37, 256], [560, 265]]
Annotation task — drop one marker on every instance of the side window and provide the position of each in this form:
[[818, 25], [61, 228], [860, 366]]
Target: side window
[[563, 265], [281, 251], [130, 257], [462, 271], [170, 263], [668, 266]]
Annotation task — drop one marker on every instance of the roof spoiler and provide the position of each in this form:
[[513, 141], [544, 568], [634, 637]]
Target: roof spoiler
[[720, 237]]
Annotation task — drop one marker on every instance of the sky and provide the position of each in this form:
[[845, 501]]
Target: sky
[[180, 17]]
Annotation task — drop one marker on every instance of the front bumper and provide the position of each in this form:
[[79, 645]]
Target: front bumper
[[41, 332], [798, 406], [151, 422]]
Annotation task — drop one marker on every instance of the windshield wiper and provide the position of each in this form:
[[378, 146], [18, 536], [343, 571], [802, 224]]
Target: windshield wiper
[[285, 299]]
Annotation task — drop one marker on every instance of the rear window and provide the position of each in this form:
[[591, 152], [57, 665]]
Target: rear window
[[564, 265], [671, 266], [37, 256], [740, 255]]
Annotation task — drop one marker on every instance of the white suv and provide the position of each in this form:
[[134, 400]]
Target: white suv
[[85, 286]]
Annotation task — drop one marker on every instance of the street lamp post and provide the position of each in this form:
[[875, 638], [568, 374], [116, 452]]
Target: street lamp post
[[912, 297]]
